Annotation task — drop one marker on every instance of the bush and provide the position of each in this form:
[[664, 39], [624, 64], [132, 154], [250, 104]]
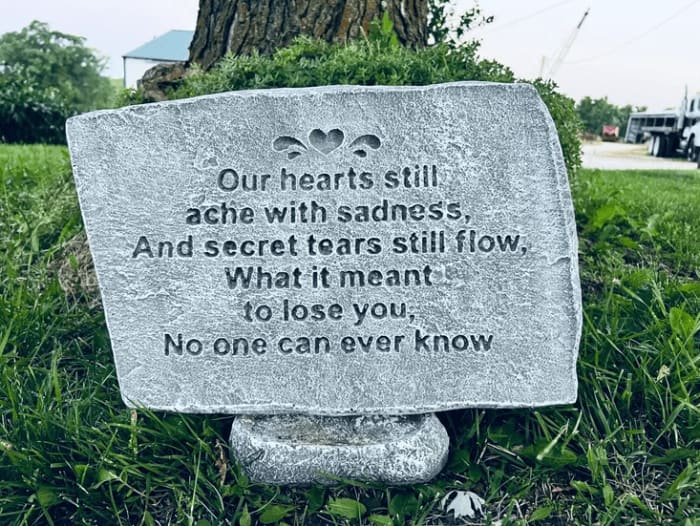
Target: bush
[[28, 115], [373, 61]]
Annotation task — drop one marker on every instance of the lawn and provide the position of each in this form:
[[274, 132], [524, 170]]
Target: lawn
[[627, 453]]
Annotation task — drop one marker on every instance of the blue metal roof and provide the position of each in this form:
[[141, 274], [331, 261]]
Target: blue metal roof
[[173, 45]]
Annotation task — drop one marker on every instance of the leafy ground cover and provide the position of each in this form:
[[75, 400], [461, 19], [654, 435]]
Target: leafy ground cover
[[626, 453]]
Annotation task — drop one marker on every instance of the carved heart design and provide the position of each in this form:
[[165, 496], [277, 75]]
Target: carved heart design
[[326, 142]]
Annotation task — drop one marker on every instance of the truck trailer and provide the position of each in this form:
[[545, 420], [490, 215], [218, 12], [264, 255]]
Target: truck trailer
[[669, 133]]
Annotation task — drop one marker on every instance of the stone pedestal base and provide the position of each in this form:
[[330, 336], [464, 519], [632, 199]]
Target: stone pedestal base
[[295, 449]]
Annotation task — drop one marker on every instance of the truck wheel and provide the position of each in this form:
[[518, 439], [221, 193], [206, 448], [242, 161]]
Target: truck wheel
[[692, 152], [661, 147], [656, 146], [665, 148]]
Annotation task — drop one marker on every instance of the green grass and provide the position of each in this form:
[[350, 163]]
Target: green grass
[[626, 453]]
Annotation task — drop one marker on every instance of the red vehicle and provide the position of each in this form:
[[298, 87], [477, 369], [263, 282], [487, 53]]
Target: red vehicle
[[610, 133]]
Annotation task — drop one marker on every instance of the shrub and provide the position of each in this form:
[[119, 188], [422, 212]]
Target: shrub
[[375, 60], [28, 115]]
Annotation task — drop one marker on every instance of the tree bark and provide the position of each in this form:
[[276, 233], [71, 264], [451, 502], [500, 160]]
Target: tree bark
[[243, 26]]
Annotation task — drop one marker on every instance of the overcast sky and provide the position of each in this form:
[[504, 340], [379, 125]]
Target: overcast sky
[[638, 52]]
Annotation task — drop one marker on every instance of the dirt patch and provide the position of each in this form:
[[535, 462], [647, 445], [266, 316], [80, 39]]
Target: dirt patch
[[75, 270]]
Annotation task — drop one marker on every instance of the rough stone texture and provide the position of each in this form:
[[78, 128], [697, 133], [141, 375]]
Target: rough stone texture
[[496, 154], [288, 449]]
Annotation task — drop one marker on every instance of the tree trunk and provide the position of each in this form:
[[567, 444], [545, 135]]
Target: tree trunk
[[243, 26]]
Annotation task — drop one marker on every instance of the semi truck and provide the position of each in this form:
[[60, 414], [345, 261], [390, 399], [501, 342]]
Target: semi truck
[[668, 133]]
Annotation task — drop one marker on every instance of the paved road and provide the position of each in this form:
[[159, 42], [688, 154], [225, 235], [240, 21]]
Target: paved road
[[622, 156]]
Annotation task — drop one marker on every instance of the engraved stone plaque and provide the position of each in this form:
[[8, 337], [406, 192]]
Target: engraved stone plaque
[[334, 250]]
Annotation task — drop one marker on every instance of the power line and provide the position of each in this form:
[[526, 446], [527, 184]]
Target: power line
[[637, 37], [497, 27]]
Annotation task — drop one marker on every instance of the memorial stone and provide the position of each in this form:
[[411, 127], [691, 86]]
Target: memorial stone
[[334, 252]]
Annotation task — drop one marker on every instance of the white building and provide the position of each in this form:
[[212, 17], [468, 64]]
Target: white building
[[173, 46]]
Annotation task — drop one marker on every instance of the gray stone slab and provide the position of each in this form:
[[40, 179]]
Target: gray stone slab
[[437, 271], [291, 449]]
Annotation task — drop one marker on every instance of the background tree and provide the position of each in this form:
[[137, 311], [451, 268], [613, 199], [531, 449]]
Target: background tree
[[441, 29], [595, 113], [241, 27], [45, 77], [244, 27]]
